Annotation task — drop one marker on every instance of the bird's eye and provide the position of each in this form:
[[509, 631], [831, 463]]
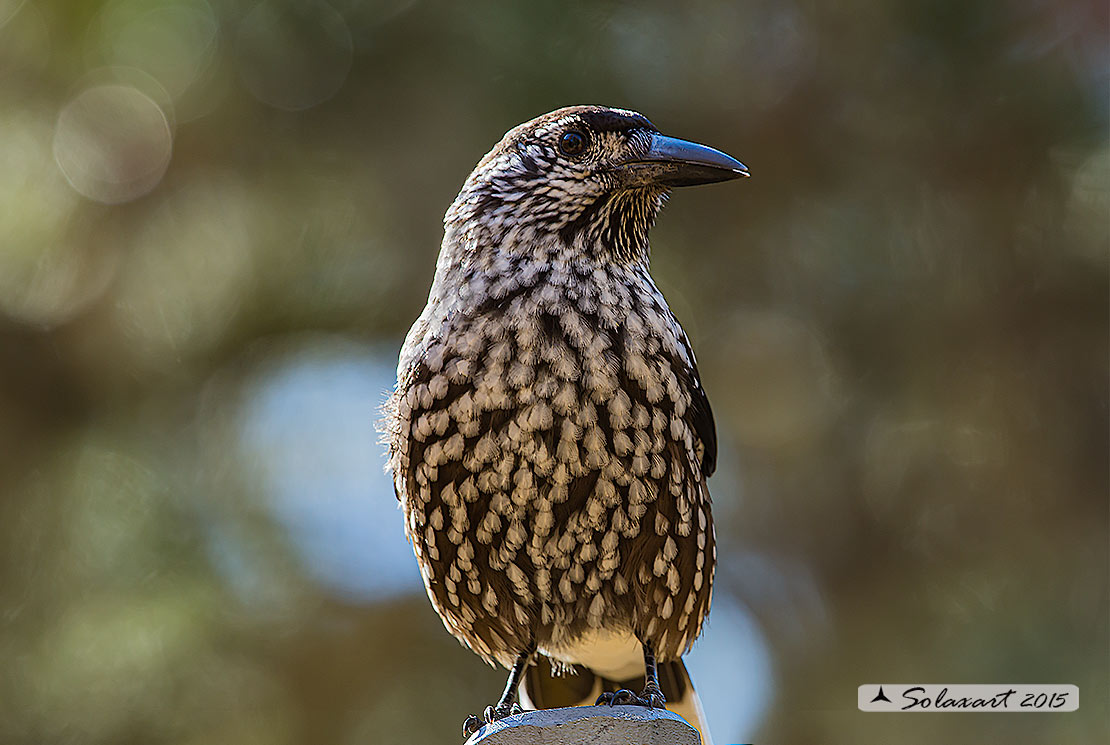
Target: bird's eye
[[572, 142]]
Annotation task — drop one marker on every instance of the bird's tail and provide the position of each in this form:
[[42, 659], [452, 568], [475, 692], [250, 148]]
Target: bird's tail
[[541, 688]]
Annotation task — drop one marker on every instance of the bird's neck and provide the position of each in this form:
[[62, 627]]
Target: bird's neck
[[474, 278], [611, 229]]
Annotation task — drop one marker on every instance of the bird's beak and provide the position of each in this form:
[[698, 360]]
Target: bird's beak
[[673, 162]]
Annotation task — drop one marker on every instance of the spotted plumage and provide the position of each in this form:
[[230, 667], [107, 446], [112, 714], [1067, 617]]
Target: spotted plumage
[[549, 437]]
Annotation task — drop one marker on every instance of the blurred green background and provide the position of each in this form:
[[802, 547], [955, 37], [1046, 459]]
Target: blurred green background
[[218, 219]]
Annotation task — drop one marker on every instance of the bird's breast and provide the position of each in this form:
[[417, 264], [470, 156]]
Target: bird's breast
[[547, 462]]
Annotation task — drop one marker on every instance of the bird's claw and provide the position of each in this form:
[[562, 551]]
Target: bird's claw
[[489, 716], [623, 697], [651, 698], [471, 725]]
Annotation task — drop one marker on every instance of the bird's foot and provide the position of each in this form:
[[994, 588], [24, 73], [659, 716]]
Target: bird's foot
[[651, 697], [489, 716], [623, 697], [654, 697]]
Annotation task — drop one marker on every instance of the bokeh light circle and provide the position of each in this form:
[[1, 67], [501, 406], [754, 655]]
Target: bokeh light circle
[[51, 265], [113, 143], [172, 40]]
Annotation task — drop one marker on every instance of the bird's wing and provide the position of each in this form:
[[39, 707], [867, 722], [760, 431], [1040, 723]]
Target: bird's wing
[[699, 415]]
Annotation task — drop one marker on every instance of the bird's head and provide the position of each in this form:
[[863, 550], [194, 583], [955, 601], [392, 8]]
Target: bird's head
[[584, 178]]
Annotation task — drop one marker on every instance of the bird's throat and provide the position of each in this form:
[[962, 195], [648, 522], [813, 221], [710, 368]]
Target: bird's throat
[[615, 226]]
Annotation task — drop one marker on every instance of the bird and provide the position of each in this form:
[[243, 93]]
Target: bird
[[549, 436]]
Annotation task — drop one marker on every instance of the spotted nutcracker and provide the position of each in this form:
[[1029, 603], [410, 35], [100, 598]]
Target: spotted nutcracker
[[549, 437]]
